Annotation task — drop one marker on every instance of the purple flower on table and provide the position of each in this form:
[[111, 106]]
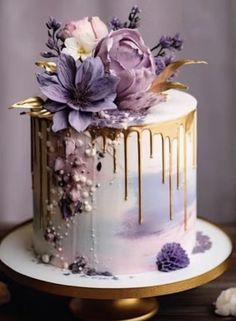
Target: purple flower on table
[[124, 54], [77, 91]]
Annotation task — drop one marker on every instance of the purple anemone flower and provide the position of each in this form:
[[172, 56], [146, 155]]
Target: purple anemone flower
[[77, 91]]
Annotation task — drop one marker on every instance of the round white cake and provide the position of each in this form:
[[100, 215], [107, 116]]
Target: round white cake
[[106, 200]]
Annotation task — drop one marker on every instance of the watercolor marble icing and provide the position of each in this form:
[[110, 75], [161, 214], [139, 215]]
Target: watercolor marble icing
[[112, 196]]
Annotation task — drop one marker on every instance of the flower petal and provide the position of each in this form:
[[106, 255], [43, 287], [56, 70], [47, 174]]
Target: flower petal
[[66, 71], [79, 120], [106, 104], [51, 88], [103, 87], [53, 106], [60, 120], [88, 71]]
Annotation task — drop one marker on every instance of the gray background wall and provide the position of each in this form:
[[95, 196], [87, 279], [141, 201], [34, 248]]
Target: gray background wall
[[209, 31]]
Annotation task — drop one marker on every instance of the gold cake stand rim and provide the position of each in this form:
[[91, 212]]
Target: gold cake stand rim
[[117, 293]]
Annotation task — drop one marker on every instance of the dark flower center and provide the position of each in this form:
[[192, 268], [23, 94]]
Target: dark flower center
[[80, 97]]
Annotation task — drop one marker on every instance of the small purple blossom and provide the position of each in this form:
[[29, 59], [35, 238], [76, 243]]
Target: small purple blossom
[[77, 91], [115, 24], [171, 43], [52, 24], [172, 257], [160, 64]]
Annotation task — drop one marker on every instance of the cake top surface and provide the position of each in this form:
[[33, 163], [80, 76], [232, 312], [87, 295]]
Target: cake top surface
[[177, 104], [105, 75]]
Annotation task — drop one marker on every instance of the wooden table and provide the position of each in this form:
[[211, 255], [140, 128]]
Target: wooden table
[[192, 305]]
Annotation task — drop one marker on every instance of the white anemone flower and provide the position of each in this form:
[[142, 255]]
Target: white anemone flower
[[79, 47]]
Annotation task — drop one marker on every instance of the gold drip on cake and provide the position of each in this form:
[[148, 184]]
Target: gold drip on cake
[[163, 159], [194, 144], [140, 178], [44, 172], [170, 180], [178, 168], [185, 182], [126, 165], [114, 160]]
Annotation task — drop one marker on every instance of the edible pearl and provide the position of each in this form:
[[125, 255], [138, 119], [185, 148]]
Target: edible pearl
[[90, 152], [89, 182], [45, 258], [85, 194], [93, 189], [88, 208]]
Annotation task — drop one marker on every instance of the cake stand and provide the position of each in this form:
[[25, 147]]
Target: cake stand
[[123, 298]]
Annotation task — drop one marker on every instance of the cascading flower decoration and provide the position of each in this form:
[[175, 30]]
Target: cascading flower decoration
[[100, 69]]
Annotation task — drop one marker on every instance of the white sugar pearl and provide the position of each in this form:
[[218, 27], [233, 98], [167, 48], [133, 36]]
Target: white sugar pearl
[[45, 258], [90, 152], [88, 208], [85, 194], [83, 179], [93, 189], [89, 182], [76, 178]]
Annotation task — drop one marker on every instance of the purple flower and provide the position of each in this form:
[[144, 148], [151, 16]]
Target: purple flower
[[160, 64], [177, 42], [203, 243], [124, 53], [77, 91], [132, 23], [172, 257]]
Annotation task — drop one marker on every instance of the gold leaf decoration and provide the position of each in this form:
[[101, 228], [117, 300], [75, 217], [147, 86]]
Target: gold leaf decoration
[[162, 86], [30, 103], [43, 113], [49, 66], [161, 82]]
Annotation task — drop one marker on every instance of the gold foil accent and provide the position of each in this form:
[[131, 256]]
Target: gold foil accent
[[35, 104], [161, 82], [30, 103], [49, 66]]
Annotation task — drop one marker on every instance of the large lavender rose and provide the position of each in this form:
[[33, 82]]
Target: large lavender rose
[[124, 53]]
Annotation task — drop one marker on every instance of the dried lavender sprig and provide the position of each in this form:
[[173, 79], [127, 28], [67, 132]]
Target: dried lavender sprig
[[132, 23], [167, 45], [54, 42]]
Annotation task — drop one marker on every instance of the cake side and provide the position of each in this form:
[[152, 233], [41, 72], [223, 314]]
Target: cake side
[[112, 197]]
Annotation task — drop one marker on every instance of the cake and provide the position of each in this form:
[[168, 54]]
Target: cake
[[113, 151]]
